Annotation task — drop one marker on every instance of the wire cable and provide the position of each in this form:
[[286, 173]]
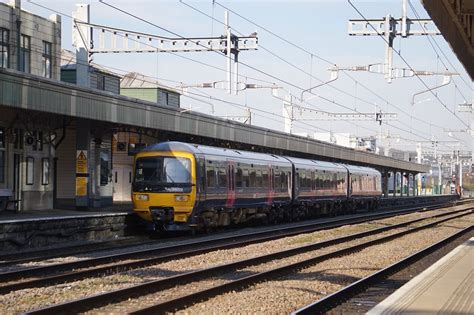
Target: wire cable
[[409, 66]]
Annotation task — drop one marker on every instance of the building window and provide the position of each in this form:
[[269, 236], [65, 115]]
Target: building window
[[100, 82], [4, 48], [30, 170], [2, 155], [47, 70], [45, 171], [25, 53]]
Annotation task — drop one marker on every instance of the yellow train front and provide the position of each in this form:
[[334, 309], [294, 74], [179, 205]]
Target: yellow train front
[[164, 186]]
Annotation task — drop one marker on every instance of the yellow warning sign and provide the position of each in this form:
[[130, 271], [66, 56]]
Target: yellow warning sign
[[81, 162], [81, 186]]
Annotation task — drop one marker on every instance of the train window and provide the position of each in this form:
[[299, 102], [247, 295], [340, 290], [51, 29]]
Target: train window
[[238, 177], [161, 170], [253, 178], [265, 179], [245, 178], [283, 180], [211, 177], [258, 178], [334, 181], [222, 177], [305, 179], [327, 180], [301, 179], [276, 178]]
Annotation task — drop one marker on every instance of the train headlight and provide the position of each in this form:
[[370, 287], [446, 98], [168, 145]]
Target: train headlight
[[181, 198], [142, 197]]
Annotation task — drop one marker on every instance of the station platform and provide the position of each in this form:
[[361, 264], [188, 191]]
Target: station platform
[[447, 287], [21, 230]]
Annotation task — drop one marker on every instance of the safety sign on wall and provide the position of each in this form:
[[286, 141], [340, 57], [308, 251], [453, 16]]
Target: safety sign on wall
[[81, 162], [81, 186]]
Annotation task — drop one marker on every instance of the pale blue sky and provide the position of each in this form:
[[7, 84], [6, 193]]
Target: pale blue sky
[[319, 27]]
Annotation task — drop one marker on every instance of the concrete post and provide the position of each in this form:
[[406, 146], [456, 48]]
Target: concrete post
[[83, 185], [402, 183], [82, 37], [385, 183], [81, 40], [56, 60], [408, 184], [394, 183], [96, 203]]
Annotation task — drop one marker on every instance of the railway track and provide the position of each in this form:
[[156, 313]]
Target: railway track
[[49, 275], [332, 301], [28, 256], [15, 258], [242, 282]]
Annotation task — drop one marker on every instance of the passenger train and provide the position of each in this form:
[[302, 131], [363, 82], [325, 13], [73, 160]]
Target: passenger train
[[180, 186]]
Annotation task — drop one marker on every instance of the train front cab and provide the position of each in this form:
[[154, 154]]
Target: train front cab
[[164, 188]]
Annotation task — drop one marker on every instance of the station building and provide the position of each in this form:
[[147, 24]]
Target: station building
[[30, 44]]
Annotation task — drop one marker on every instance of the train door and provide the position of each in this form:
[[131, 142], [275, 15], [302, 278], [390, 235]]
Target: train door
[[122, 178], [230, 184]]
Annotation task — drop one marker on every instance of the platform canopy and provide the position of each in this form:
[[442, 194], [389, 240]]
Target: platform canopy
[[455, 20], [27, 92]]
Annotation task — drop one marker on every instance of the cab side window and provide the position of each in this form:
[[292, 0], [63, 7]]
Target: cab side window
[[211, 177]]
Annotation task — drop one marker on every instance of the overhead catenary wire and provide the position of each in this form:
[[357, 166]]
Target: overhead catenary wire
[[310, 74], [245, 64], [328, 62], [198, 96], [409, 66], [245, 76], [151, 46], [431, 40]]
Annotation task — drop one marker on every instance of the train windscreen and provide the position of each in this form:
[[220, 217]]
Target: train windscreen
[[162, 174]]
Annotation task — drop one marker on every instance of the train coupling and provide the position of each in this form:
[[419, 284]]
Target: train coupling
[[162, 216]]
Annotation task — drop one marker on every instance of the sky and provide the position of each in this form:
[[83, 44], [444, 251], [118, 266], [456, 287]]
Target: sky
[[321, 29]]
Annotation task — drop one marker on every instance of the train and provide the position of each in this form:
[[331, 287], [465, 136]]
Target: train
[[180, 186]]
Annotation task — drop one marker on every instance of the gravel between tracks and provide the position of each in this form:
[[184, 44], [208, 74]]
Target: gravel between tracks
[[28, 299], [291, 292], [171, 242]]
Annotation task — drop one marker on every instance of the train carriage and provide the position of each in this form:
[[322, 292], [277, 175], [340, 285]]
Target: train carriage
[[365, 188], [180, 186], [317, 181]]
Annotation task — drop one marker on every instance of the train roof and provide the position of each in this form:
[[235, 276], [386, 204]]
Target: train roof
[[299, 162], [353, 169], [197, 149], [216, 151]]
